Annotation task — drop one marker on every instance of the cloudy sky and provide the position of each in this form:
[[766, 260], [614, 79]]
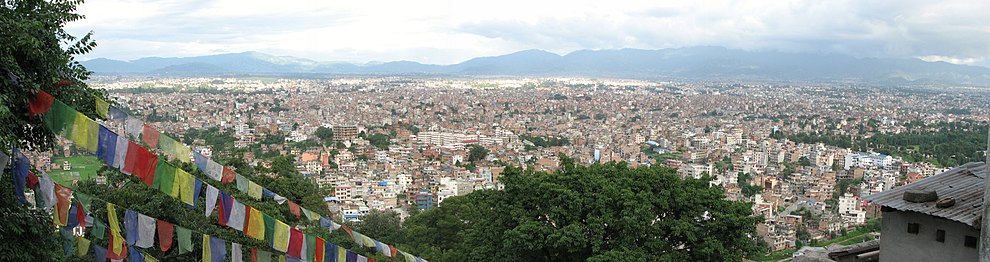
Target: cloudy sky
[[445, 32]]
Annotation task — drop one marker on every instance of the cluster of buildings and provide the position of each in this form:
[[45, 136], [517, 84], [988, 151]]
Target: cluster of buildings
[[722, 130]]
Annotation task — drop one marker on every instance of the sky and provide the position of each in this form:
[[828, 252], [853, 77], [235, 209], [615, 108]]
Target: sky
[[447, 32]]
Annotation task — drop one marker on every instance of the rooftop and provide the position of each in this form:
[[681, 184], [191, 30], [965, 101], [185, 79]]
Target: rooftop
[[964, 184]]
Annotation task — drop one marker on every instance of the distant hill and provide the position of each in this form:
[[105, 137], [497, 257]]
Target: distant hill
[[691, 63]]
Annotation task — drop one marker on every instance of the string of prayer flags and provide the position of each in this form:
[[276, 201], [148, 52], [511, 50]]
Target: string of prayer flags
[[175, 148], [150, 136], [140, 163], [280, 240], [39, 103], [146, 231], [214, 249], [165, 230]]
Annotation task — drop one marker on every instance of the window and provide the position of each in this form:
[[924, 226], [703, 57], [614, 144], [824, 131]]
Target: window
[[940, 235], [970, 241], [913, 228]]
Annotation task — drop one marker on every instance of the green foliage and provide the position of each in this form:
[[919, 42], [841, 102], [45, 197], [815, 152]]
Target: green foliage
[[541, 141], [325, 135], [603, 212], [476, 153], [381, 141], [943, 144], [37, 54]]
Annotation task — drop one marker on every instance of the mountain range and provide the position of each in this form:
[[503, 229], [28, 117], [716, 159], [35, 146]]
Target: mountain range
[[687, 63]]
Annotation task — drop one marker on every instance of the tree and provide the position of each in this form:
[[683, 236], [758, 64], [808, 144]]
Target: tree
[[325, 135], [602, 212], [36, 54], [477, 153]]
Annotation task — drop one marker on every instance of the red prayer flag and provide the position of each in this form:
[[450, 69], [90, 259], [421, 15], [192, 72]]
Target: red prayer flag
[[81, 215], [165, 230], [295, 242], [319, 250], [140, 163], [294, 208], [31, 180], [372, 260], [247, 219], [348, 230], [150, 136], [40, 103], [254, 255], [62, 205], [228, 175], [395, 251], [113, 241]]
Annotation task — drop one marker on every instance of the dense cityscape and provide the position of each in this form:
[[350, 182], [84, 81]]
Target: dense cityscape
[[403, 143]]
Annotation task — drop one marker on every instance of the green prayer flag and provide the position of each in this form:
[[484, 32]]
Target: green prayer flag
[[264, 256], [242, 183], [164, 177], [99, 229], [269, 229], [310, 246], [85, 200], [185, 239], [59, 118]]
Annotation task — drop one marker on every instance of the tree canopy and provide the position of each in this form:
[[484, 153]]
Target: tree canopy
[[603, 212]]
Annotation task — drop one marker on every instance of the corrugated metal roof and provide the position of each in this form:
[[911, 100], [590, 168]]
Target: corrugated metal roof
[[964, 184]]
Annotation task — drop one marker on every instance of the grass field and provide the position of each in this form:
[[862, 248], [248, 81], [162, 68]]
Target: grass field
[[83, 167]]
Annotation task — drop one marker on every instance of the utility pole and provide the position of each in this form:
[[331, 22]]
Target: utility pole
[[985, 221]]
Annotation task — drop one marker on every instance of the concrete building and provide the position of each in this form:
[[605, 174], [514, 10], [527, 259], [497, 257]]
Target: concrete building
[[344, 133], [923, 231]]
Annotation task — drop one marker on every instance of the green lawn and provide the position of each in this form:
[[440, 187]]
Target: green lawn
[[83, 167]]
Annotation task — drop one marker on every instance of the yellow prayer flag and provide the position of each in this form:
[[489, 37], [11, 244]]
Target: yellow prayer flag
[[85, 133], [256, 225], [206, 248], [342, 254], [115, 229], [182, 152], [281, 236], [254, 190], [82, 246], [186, 185], [281, 258], [149, 258], [367, 241], [102, 107]]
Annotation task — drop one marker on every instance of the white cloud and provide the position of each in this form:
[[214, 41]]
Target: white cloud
[[452, 31]]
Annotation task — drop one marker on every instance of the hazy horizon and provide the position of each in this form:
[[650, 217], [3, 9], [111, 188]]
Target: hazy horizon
[[447, 32]]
